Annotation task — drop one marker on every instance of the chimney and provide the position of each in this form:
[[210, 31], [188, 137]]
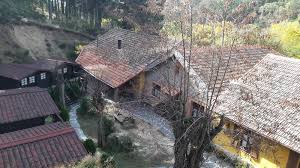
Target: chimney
[[119, 44]]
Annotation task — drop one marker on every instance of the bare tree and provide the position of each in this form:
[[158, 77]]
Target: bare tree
[[194, 135]]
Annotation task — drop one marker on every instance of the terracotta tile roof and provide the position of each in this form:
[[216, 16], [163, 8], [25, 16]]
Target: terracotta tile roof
[[25, 103], [43, 146], [115, 66], [267, 100], [242, 59]]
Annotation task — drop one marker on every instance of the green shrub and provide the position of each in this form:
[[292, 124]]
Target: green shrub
[[73, 90], [89, 162], [62, 45], [64, 113], [108, 125], [54, 93], [21, 55], [72, 55], [102, 161], [49, 119], [86, 106], [120, 143], [90, 146]]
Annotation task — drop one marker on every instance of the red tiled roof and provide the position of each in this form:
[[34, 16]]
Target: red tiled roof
[[25, 103], [43, 146], [115, 66]]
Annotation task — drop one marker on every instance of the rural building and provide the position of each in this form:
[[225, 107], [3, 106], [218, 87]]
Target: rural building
[[260, 101], [50, 145], [25, 108], [204, 66], [41, 73], [122, 62], [262, 109]]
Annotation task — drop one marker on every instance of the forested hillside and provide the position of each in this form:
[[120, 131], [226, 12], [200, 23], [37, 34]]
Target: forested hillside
[[274, 23], [89, 16]]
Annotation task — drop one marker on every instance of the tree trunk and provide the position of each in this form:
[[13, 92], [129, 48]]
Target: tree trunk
[[50, 9], [62, 6], [101, 137]]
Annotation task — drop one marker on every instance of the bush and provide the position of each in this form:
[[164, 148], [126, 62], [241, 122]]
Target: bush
[[73, 90], [62, 45], [120, 143], [64, 113], [86, 106], [108, 126], [90, 146], [96, 162], [89, 162], [21, 55]]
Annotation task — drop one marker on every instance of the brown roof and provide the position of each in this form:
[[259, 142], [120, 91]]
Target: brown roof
[[49, 64], [17, 71], [267, 100], [115, 66], [20, 71], [242, 59], [43, 146], [25, 103]]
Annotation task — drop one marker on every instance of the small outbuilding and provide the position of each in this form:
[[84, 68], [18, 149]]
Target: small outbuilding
[[25, 108], [41, 73], [50, 145]]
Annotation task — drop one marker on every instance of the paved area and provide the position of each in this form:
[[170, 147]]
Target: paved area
[[74, 121], [147, 114]]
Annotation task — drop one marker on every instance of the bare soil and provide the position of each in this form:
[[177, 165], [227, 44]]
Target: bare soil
[[40, 42]]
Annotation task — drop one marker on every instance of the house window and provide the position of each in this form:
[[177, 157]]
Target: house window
[[43, 76], [31, 79], [24, 82], [197, 109], [65, 70], [156, 90]]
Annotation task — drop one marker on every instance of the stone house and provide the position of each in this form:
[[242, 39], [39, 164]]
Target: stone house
[[258, 97], [126, 64]]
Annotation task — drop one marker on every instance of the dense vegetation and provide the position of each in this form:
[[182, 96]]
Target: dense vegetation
[[274, 23], [89, 16]]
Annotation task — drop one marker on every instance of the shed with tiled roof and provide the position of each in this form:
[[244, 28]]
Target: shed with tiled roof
[[48, 145], [25, 107]]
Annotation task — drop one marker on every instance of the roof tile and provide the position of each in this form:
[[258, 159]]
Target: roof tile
[[25, 103], [43, 146]]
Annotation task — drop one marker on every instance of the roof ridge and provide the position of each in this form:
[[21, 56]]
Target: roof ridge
[[26, 140], [130, 31], [283, 57], [22, 91]]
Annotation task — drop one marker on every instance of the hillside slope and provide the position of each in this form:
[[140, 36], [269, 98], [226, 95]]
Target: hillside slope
[[22, 43]]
